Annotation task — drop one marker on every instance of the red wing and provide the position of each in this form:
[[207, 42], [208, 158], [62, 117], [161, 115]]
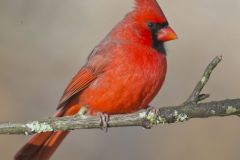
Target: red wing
[[97, 61], [79, 82]]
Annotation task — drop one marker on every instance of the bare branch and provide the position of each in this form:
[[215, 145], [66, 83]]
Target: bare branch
[[195, 96], [171, 114]]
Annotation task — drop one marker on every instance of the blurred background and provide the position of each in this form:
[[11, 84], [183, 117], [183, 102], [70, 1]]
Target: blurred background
[[44, 43]]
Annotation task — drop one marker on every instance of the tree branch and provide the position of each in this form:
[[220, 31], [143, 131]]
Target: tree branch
[[171, 114], [195, 97]]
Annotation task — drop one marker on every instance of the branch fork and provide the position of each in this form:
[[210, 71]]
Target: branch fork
[[153, 117], [196, 95]]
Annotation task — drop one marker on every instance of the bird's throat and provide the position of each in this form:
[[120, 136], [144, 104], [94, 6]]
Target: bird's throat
[[159, 46], [156, 44]]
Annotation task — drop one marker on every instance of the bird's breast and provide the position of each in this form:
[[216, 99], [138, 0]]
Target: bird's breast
[[129, 82]]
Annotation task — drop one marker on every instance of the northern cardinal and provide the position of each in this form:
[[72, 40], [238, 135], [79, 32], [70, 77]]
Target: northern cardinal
[[122, 74]]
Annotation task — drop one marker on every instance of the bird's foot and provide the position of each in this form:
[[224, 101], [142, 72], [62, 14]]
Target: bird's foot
[[104, 119], [83, 111]]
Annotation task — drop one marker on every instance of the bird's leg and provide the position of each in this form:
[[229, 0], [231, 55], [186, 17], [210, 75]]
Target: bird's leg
[[82, 111], [104, 119]]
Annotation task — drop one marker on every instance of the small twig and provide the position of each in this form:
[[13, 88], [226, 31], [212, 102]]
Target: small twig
[[195, 97], [202, 97]]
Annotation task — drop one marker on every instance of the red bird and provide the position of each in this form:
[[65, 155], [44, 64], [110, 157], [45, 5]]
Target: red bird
[[122, 74]]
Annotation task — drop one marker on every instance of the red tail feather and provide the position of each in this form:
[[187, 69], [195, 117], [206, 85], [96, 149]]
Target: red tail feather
[[41, 146]]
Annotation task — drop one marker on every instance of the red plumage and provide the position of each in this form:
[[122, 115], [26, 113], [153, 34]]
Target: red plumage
[[122, 74]]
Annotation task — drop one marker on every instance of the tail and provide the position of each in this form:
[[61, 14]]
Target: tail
[[41, 146]]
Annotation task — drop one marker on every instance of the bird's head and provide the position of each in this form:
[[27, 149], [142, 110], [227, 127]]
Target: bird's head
[[146, 24], [151, 22]]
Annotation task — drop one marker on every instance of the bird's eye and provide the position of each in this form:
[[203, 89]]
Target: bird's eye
[[150, 25], [163, 25]]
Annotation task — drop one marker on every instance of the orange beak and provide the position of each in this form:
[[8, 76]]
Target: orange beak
[[166, 34]]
